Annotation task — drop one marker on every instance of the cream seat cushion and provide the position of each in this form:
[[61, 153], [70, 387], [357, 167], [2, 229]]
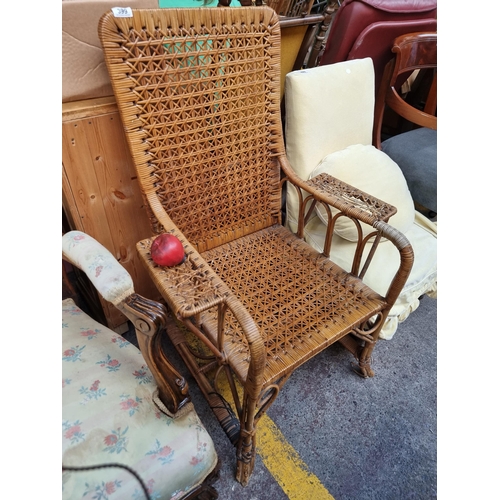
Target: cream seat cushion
[[315, 97]]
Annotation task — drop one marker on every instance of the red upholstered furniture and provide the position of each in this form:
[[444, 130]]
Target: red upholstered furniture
[[367, 28]]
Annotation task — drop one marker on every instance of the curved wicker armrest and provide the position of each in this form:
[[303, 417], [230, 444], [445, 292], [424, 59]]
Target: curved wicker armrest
[[193, 287], [358, 206], [190, 287], [346, 198], [400, 241], [115, 285]]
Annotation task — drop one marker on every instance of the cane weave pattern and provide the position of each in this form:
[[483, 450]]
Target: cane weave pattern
[[203, 118], [299, 308], [191, 285], [352, 199]]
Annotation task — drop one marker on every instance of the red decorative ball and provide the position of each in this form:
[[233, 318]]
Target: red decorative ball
[[167, 250]]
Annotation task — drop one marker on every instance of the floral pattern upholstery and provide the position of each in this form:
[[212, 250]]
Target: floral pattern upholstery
[[109, 416], [109, 277]]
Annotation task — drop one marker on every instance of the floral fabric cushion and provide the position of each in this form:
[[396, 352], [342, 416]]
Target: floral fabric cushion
[[108, 416], [110, 278]]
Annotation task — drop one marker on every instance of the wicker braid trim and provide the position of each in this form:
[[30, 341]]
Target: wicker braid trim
[[352, 201], [197, 94]]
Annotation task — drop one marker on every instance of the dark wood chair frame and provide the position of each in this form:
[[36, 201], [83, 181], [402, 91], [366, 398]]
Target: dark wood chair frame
[[413, 51]]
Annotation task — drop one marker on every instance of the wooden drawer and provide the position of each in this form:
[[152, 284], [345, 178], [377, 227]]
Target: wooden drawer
[[101, 194]]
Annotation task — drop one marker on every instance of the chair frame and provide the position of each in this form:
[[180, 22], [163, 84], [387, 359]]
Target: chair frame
[[413, 51], [217, 333], [149, 319]]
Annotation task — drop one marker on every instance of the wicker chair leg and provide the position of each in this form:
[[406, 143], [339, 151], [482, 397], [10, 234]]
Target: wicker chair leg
[[364, 354], [364, 361], [245, 456], [361, 353]]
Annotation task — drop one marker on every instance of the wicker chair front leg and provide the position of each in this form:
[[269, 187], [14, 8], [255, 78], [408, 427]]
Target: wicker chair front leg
[[407, 257], [246, 447], [406, 262]]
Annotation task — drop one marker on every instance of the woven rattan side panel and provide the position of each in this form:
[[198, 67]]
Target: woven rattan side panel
[[198, 91]]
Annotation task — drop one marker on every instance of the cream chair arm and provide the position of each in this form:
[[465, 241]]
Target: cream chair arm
[[108, 276]]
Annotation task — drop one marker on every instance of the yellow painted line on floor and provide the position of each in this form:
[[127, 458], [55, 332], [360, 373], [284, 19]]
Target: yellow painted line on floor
[[280, 458], [282, 461], [285, 464]]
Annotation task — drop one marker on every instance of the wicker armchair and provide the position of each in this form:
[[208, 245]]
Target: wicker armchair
[[198, 93]]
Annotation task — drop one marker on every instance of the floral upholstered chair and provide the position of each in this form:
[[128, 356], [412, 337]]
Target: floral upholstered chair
[[129, 429]]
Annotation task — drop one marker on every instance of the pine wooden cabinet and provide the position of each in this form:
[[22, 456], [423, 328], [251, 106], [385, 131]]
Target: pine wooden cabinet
[[101, 194]]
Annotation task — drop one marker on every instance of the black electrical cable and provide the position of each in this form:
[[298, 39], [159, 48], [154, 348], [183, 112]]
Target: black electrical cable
[[104, 466]]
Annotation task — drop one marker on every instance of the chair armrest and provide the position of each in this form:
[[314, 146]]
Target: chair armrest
[[192, 288], [149, 317], [350, 200], [108, 276], [400, 241], [358, 206], [333, 192]]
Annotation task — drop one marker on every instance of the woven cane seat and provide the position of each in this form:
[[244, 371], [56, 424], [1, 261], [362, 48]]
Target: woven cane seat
[[299, 307]]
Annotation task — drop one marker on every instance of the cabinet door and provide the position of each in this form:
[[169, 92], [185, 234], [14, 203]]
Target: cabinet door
[[101, 194]]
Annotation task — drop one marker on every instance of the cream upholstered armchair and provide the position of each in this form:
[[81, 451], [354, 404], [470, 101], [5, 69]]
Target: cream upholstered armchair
[[129, 429], [329, 124]]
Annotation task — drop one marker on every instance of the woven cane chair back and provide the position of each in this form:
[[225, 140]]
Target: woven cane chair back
[[198, 91], [202, 118]]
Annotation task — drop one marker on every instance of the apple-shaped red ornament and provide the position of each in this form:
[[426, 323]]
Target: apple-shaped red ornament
[[167, 250]]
